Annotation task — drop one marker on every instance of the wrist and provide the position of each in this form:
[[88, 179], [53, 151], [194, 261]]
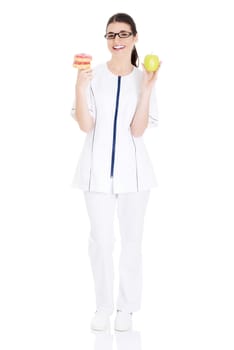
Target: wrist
[[145, 92], [80, 89]]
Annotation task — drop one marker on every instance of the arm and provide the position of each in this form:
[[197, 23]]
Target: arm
[[141, 117], [82, 114]]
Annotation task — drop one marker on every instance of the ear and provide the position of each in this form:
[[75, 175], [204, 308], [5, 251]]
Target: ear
[[136, 38]]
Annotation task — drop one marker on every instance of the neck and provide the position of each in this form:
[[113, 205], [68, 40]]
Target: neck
[[120, 67]]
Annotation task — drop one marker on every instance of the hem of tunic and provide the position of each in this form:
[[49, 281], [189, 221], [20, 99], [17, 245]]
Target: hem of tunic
[[98, 190]]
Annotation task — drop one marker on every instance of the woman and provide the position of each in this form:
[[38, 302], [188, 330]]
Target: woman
[[114, 105]]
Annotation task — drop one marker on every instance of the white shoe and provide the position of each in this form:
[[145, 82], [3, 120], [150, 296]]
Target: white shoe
[[123, 321], [100, 321]]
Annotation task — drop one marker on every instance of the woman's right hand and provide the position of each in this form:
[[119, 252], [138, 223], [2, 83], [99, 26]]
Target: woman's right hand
[[84, 76]]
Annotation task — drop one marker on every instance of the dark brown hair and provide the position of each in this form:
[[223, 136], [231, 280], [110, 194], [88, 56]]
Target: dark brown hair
[[125, 18]]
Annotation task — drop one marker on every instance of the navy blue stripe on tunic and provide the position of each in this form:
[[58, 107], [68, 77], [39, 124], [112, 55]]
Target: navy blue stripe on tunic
[[114, 128]]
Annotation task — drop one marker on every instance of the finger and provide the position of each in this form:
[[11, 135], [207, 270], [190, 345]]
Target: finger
[[160, 63], [85, 73], [87, 70], [156, 72]]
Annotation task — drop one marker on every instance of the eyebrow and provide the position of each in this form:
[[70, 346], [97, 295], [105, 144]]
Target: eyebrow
[[123, 30]]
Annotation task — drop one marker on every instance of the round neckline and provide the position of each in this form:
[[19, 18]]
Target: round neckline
[[117, 75]]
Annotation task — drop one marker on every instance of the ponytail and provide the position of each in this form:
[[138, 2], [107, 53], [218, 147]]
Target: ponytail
[[135, 57]]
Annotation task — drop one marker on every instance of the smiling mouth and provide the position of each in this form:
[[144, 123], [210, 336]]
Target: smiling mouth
[[118, 47]]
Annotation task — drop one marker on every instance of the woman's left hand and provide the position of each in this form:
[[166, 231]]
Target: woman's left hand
[[149, 78]]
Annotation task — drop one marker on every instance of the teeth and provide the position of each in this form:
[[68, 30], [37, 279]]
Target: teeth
[[118, 47]]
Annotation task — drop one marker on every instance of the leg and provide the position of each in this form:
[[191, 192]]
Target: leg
[[101, 209], [131, 212]]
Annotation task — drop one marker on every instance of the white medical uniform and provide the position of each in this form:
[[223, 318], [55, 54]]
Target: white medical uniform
[[114, 169], [111, 155]]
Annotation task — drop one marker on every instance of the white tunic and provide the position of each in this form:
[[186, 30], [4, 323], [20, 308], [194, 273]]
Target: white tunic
[[112, 159]]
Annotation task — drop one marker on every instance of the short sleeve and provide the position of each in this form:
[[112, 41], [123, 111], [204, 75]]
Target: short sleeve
[[153, 110], [90, 102]]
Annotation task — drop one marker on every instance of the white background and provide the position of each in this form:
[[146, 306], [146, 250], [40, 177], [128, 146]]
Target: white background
[[46, 295]]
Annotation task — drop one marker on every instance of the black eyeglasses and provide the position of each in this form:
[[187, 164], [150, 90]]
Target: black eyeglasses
[[122, 34]]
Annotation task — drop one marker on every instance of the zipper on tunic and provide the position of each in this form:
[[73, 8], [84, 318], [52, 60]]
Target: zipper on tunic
[[114, 128]]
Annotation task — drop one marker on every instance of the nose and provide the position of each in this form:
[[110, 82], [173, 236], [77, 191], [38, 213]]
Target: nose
[[116, 39]]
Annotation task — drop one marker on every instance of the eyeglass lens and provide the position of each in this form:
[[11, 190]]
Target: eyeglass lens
[[121, 34]]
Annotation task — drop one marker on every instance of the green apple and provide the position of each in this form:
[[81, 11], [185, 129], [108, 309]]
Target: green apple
[[151, 62]]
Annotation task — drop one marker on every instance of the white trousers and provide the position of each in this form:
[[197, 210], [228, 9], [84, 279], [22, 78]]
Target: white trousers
[[131, 209]]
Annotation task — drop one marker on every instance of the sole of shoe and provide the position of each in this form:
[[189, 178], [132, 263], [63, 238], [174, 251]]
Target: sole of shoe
[[100, 329]]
